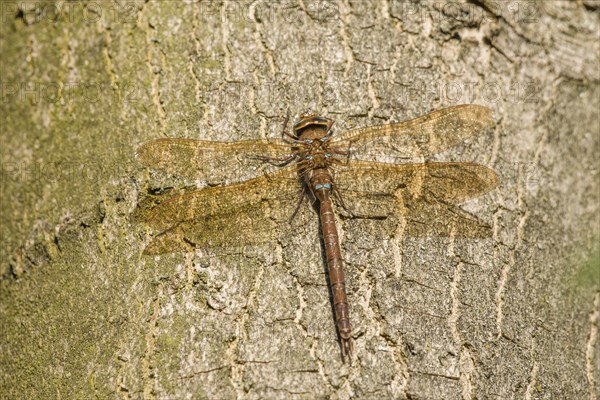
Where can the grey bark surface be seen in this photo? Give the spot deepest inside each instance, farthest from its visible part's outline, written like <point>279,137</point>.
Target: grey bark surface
<point>85,315</point>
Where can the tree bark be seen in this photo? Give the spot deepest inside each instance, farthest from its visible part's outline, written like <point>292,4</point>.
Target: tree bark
<point>84,314</point>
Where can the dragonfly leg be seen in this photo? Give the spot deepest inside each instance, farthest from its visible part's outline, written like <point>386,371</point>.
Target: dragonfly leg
<point>329,131</point>
<point>342,152</point>
<point>348,152</point>
<point>339,198</point>
<point>298,204</point>
<point>284,131</point>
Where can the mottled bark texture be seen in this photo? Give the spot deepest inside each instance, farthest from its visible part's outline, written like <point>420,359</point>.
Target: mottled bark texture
<point>85,315</point>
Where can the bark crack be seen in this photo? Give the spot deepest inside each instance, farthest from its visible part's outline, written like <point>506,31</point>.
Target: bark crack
<point>260,39</point>
<point>483,5</point>
<point>371,92</point>
<point>591,346</point>
<point>402,370</point>
<point>375,318</point>
<point>198,48</point>
<point>397,254</point>
<point>206,371</point>
<point>533,373</point>
<point>495,145</point>
<point>238,366</point>
<point>153,67</point>
<point>465,359</point>
<point>254,108</point>
<point>450,377</point>
<point>346,40</point>
<point>225,39</point>
<point>149,376</point>
<point>396,241</point>
<point>297,320</point>
<point>301,305</point>
<point>189,270</point>
<point>321,367</point>
<point>454,311</point>
<point>507,268</point>
<point>521,182</point>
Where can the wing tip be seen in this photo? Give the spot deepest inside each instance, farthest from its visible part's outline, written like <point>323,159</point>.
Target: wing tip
<point>481,112</point>
<point>141,153</point>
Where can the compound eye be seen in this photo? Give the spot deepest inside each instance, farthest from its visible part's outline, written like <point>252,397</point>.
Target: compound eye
<point>328,155</point>
<point>324,139</point>
<point>309,157</point>
<point>308,141</point>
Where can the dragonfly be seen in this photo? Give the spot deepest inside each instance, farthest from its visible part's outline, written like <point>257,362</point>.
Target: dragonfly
<point>268,181</point>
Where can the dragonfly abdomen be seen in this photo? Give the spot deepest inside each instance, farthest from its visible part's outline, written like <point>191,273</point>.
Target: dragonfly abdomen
<point>336,271</point>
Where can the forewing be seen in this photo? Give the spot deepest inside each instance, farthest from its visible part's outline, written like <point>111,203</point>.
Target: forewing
<point>209,160</point>
<point>425,135</point>
<point>245,213</point>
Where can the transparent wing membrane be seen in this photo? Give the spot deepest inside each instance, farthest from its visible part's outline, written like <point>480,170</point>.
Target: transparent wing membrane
<point>423,216</point>
<point>248,212</point>
<point>425,194</point>
<point>425,135</point>
<point>211,161</point>
<point>450,182</point>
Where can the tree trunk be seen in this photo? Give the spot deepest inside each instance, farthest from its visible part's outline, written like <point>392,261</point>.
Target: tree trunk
<point>85,315</point>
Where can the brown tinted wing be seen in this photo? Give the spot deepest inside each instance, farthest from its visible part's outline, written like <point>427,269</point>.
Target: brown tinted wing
<point>245,213</point>
<point>425,135</point>
<point>425,194</point>
<point>424,216</point>
<point>448,182</point>
<point>210,161</point>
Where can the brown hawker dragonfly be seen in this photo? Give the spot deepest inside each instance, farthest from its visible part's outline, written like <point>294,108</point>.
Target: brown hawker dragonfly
<point>311,162</point>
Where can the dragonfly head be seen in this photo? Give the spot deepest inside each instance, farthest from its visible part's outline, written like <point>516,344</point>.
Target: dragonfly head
<point>309,118</point>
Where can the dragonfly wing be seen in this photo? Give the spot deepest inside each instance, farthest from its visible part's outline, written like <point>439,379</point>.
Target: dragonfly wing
<point>448,182</point>
<point>211,161</point>
<point>426,194</point>
<point>245,213</point>
<point>423,216</point>
<point>425,135</point>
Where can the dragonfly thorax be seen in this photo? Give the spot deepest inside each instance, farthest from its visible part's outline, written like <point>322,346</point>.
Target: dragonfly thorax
<point>317,153</point>
<point>319,160</point>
